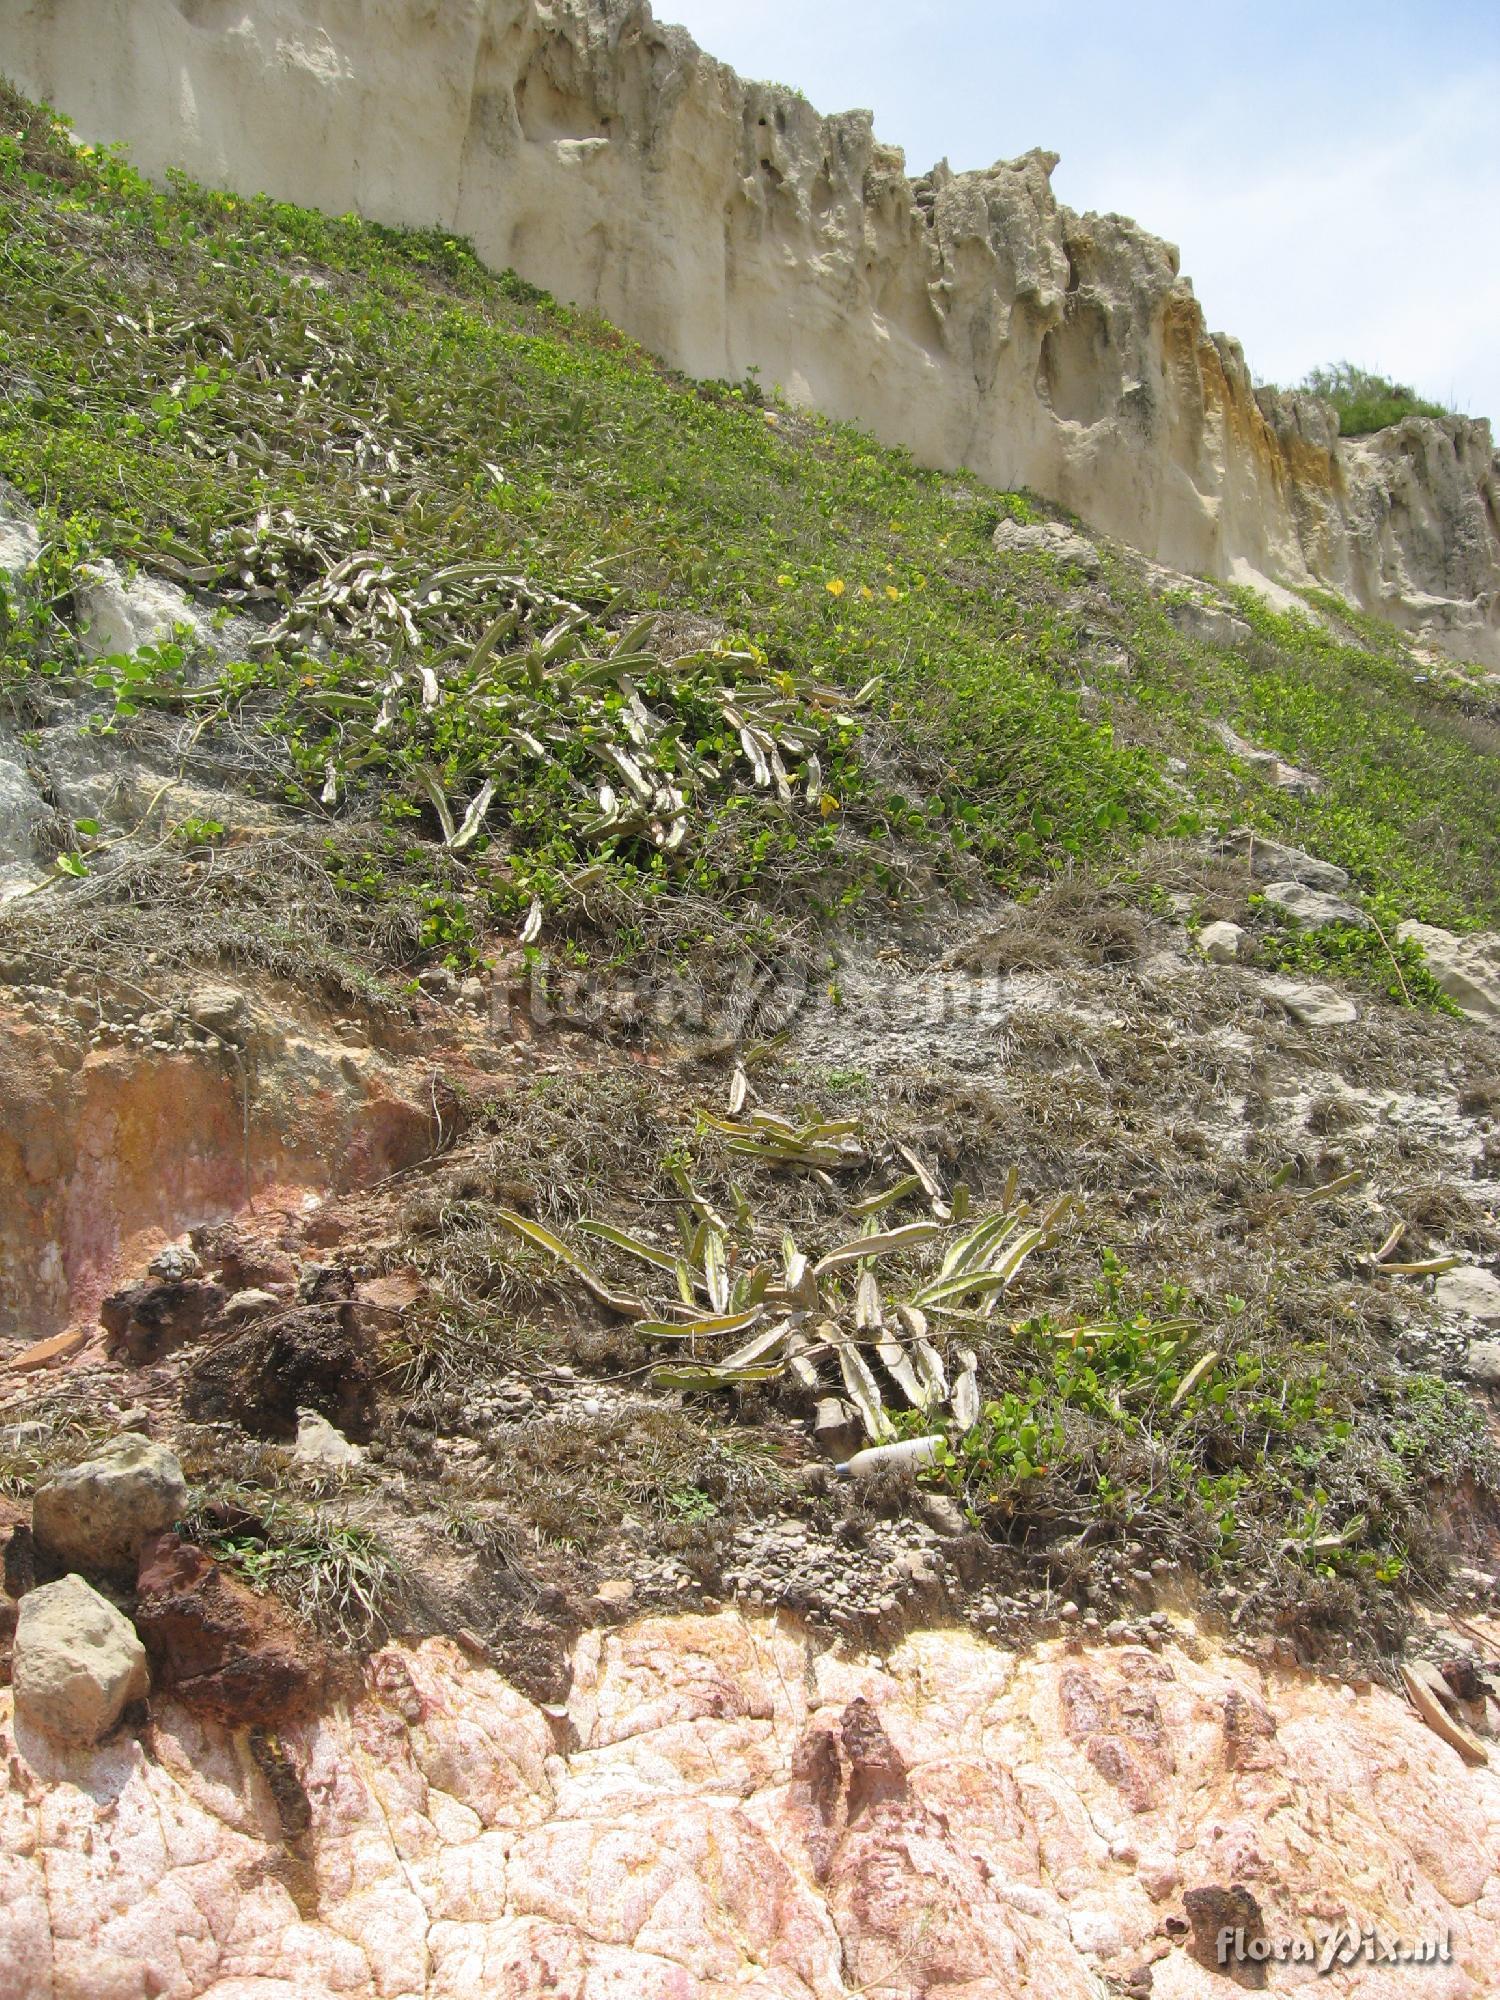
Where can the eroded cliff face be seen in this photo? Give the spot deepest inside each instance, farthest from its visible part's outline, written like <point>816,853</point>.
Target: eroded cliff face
<point>729,226</point>
<point>722,1807</point>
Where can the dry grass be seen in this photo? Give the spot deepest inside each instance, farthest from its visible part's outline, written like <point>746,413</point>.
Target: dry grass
<point>265,903</point>
<point>1078,921</point>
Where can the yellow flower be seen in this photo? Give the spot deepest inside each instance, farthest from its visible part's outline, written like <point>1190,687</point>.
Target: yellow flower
<point>836,587</point>
<point>785,582</point>
<point>892,593</point>
<point>866,593</point>
<point>770,416</point>
<point>828,805</point>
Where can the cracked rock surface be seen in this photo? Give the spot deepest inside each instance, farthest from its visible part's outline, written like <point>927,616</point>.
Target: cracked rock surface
<point>722,1807</point>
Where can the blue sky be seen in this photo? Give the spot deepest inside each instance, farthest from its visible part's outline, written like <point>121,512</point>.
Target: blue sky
<point>1331,173</point>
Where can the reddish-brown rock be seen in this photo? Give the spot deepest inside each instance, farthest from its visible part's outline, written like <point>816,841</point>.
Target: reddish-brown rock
<point>148,1321</point>
<point>215,1644</point>
<point>309,1356</point>
<point>242,1261</point>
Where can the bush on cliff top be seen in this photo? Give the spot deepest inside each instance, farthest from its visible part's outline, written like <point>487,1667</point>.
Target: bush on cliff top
<point>1365,401</point>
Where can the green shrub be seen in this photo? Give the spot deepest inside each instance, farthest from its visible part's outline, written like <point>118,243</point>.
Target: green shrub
<point>1396,967</point>
<point>1365,401</point>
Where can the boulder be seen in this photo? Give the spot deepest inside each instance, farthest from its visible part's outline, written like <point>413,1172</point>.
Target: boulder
<point>279,1363</point>
<point>219,1009</point>
<point>77,1662</point>
<point>1221,943</point>
<point>1314,909</point>
<point>242,1263</point>
<point>148,1321</point>
<point>1473,1293</point>
<point>1273,861</point>
<point>1310,1002</point>
<point>1047,538</point>
<point>1286,777</point>
<point>249,1304</point>
<point>942,1514</point>
<point>23,810</point>
<point>216,1644</point>
<point>45,1353</point>
<point>1484,1362</point>
<point>1209,624</point>
<point>836,1427</point>
<point>323,1447</point>
<point>1466,968</point>
<point>121,617</point>
<point>95,1516</point>
<point>20,544</point>
<point>175,1263</point>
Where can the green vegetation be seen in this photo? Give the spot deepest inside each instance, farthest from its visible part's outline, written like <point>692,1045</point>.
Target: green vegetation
<point>340,1579</point>
<point>1408,798</point>
<point>1393,966</point>
<point>384,453</point>
<point>1264,1455</point>
<point>1251,1461</point>
<point>520,635</point>
<point>1365,401</point>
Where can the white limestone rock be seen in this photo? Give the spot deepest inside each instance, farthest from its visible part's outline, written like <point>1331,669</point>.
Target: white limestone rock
<point>726,224</point>
<point>1209,624</point>
<point>120,617</point>
<point>1221,943</point>
<point>94,1516</point>
<point>22,812</point>
<point>77,1662</point>
<point>321,1446</point>
<point>1310,1002</point>
<point>20,544</point>
<point>1285,777</point>
<point>252,1303</point>
<point>1314,909</point>
<point>1472,1293</point>
<point>1466,968</point>
<point>22,807</point>
<point>1273,861</point>
<point>1047,538</point>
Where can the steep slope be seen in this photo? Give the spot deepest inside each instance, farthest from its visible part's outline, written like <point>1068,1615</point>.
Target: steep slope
<point>730,227</point>
<point>576,945</point>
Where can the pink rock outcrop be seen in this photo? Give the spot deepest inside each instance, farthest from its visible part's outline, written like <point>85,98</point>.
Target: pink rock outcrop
<point>724,1809</point>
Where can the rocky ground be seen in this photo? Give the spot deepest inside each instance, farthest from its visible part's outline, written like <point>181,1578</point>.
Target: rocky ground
<point>1157,1085</point>
<point>724,1805</point>
<point>711,1720</point>
<point>448,1283</point>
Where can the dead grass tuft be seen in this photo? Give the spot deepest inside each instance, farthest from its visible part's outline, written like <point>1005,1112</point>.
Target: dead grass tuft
<point>1079,921</point>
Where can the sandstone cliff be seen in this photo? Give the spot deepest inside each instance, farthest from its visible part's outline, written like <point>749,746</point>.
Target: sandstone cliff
<point>970,317</point>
